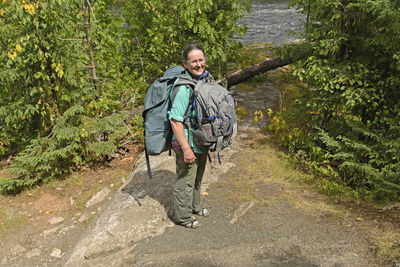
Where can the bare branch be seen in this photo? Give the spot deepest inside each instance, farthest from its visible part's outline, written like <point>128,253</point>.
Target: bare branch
<point>89,44</point>
<point>91,9</point>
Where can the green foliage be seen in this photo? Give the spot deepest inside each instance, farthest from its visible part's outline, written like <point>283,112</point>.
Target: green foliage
<point>52,117</point>
<point>137,127</point>
<point>159,29</point>
<point>35,71</point>
<point>353,96</point>
<point>56,112</point>
<point>74,141</point>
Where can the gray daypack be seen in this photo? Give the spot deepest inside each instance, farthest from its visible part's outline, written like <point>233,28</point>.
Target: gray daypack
<point>216,119</point>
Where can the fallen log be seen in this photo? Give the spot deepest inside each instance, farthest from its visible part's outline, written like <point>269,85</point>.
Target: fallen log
<point>290,54</point>
<point>267,65</point>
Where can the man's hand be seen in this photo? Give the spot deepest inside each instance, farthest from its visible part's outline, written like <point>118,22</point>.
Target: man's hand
<point>189,156</point>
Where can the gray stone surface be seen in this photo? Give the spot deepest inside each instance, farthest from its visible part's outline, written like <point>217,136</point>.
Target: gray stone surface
<point>17,249</point>
<point>56,220</point>
<point>56,253</point>
<point>33,253</point>
<point>98,197</point>
<point>47,232</point>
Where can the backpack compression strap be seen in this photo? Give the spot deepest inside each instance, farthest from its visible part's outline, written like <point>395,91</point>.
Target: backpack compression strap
<point>148,163</point>
<point>218,146</point>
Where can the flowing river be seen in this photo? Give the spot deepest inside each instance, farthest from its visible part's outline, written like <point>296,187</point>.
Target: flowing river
<point>270,21</point>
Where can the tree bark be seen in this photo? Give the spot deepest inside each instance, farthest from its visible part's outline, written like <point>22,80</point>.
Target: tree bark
<point>267,65</point>
<point>244,74</point>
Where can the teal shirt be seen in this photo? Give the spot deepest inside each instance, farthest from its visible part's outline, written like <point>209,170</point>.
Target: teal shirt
<point>178,111</point>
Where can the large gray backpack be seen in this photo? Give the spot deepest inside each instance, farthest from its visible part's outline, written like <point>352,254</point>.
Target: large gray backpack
<point>157,128</point>
<point>216,121</point>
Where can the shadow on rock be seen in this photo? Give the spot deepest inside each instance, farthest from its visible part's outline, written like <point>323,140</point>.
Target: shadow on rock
<point>160,187</point>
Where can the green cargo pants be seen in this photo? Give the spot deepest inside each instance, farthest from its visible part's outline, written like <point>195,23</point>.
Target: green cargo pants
<point>186,192</point>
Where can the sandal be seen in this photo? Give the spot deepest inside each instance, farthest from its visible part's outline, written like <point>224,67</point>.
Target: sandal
<point>203,212</point>
<point>191,224</point>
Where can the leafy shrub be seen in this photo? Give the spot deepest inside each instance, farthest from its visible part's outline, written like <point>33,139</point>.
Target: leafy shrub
<point>353,95</point>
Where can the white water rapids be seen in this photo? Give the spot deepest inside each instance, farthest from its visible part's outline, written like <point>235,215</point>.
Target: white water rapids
<point>271,21</point>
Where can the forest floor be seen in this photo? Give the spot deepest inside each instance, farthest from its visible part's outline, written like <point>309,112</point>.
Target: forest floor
<point>262,213</point>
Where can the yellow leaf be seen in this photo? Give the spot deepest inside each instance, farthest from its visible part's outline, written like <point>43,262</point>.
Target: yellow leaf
<point>10,55</point>
<point>18,47</point>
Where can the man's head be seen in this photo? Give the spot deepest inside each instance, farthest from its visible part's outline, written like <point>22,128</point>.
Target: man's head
<point>194,59</point>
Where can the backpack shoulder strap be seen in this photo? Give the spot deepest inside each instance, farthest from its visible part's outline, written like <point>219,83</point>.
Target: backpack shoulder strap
<point>183,80</point>
<point>186,80</point>
<point>190,83</point>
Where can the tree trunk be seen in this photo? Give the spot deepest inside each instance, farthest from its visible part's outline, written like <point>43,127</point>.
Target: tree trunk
<point>244,74</point>
<point>267,65</point>
<point>89,43</point>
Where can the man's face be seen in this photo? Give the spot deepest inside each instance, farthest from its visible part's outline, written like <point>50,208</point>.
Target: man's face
<point>196,63</point>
